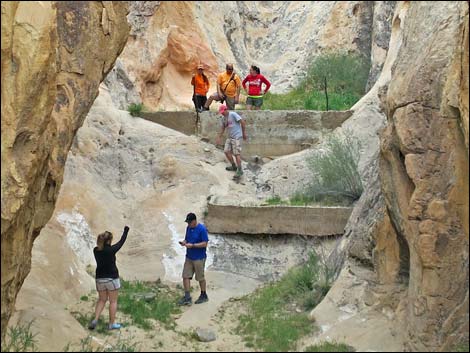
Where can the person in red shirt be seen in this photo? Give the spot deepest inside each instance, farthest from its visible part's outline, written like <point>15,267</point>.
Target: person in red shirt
<point>201,87</point>
<point>255,93</point>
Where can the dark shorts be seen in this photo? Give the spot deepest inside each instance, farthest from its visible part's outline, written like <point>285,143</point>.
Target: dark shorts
<point>256,102</point>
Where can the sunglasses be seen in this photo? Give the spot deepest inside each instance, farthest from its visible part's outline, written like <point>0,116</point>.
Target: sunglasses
<point>229,68</point>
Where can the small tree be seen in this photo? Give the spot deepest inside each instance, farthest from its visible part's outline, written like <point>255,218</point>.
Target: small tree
<point>342,72</point>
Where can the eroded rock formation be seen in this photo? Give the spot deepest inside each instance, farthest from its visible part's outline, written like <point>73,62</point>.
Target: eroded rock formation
<point>54,55</point>
<point>282,38</point>
<point>409,231</point>
<point>424,170</point>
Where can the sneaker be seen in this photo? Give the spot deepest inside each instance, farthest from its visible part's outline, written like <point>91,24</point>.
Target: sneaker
<point>202,299</point>
<point>231,168</point>
<point>92,324</point>
<point>114,326</point>
<point>185,301</point>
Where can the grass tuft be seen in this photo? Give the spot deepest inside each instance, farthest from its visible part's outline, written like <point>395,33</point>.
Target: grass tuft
<point>19,338</point>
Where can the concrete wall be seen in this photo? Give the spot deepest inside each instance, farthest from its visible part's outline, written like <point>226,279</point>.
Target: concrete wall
<point>184,122</point>
<point>313,221</point>
<point>270,133</point>
<point>277,133</point>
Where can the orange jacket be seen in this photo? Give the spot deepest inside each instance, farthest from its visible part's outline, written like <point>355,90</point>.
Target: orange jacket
<point>201,86</point>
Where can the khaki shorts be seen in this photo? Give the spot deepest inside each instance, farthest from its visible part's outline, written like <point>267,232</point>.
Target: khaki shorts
<point>194,266</point>
<point>107,284</point>
<point>229,101</point>
<point>234,146</point>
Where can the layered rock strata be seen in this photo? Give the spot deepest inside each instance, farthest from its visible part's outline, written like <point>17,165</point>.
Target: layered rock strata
<point>54,55</point>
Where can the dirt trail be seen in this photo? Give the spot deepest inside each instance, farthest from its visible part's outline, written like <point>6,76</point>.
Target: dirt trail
<point>223,289</point>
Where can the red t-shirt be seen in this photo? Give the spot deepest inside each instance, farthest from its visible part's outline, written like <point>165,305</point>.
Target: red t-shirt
<point>255,82</point>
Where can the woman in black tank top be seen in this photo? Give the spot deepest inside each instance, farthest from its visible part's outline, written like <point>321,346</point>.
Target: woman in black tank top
<point>107,276</point>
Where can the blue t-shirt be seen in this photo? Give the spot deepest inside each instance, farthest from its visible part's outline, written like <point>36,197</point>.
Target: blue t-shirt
<point>195,235</point>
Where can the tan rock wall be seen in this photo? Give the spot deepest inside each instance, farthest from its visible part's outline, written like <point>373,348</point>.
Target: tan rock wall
<point>169,39</point>
<point>424,170</point>
<point>54,56</point>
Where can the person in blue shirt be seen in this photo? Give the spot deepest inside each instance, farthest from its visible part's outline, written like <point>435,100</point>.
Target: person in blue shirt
<point>195,241</point>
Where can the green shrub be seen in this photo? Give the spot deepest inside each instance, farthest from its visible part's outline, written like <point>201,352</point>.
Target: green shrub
<point>330,347</point>
<point>19,338</point>
<point>336,176</point>
<point>135,109</point>
<point>270,323</point>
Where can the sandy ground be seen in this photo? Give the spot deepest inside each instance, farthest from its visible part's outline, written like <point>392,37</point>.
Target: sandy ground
<point>223,290</point>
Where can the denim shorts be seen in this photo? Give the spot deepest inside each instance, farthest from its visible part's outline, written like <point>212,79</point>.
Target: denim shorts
<point>107,284</point>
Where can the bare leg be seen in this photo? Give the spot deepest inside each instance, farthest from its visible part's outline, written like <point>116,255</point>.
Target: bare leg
<point>249,107</point>
<point>239,161</point>
<point>113,296</point>
<point>229,157</point>
<point>257,108</point>
<point>202,284</point>
<point>212,97</point>
<point>186,284</point>
<point>100,304</point>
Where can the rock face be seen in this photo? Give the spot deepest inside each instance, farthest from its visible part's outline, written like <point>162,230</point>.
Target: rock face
<point>381,30</point>
<point>54,55</point>
<point>424,170</point>
<point>282,38</point>
<point>411,224</point>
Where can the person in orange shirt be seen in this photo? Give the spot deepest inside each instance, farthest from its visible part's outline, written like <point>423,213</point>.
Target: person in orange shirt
<point>201,87</point>
<point>228,89</point>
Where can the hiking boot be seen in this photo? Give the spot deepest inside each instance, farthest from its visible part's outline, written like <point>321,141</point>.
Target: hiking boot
<point>231,168</point>
<point>202,299</point>
<point>92,324</point>
<point>114,326</point>
<point>185,301</point>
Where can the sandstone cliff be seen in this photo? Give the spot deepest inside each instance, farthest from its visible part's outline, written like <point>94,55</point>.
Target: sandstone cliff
<point>424,170</point>
<point>411,224</point>
<point>168,39</point>
<point>54,55</point>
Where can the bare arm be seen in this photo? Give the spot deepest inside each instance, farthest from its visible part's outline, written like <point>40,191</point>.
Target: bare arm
<point>242,122</point>
<point>219,135</point>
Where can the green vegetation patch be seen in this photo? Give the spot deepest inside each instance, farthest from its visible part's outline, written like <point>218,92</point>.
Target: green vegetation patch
<point>19,338</point>
<point>277,315</point>
<point>342,75</point>
<point>330,347</point>
<point>135,109</point>
<point>143,301</point>
<point>335,171</point>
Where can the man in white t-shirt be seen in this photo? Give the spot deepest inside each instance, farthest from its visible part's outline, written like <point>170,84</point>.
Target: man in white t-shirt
<point>235,125</point>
